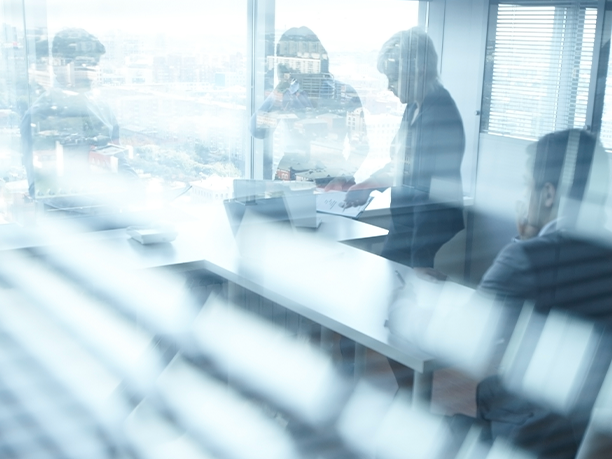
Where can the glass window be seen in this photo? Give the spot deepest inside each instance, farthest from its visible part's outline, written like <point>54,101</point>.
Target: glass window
<point>346,122</point>
<point>152,93</point>
<point>14,100</point>
<point>538,67</point>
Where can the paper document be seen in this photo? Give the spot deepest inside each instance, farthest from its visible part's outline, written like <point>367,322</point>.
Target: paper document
<point>332,202</point>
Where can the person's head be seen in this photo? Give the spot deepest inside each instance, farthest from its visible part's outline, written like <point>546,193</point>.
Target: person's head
<point>76,54</point>
<point>410,62</point>
<point>566,177</point>
<point>298,45</point>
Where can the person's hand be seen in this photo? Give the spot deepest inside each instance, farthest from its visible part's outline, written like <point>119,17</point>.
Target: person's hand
<point>525,228</point>
<point>340,184</point>
<point>279,93</point>
<point>358,194</point>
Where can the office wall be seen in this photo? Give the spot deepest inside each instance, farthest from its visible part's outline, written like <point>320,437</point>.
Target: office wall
<point>499,184</point>
<point>464,24</point>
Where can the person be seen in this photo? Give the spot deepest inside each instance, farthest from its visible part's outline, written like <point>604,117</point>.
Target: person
<point>426,155</point>
<point>319,120</point>
<point>70,136</point>
<point>424,171</point>
<point>560,265</point>
<point>562,261</point>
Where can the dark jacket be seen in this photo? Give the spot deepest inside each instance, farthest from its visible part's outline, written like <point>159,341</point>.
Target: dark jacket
<point>556,272</point>
<point>427,209</point>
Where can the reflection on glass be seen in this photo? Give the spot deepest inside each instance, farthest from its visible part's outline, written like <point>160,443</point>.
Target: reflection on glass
<point>70,136</point>
<point>177,92</point>
<point>322,135</point>
<point>352,32</point>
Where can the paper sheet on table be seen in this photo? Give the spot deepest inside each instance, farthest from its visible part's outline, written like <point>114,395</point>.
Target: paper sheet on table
<point>332,202</point>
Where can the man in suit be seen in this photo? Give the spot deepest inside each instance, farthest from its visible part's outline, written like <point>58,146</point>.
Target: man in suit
<point>559,270</point>
<point>561,263</point>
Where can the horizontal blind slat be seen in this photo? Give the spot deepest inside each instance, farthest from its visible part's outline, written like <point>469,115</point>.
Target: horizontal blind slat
<point>541,61</point>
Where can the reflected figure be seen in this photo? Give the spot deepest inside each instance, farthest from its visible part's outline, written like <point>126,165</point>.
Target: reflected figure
<point>319,124</point>
<point>426,155</point>
<point>561,262</point>
<point>70,137</point>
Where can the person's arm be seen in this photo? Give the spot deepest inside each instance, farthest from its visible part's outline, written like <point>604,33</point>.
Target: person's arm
<point>108,117</point>
<point>511,274</point>
<point>357,140</point>
<point>359,193</point>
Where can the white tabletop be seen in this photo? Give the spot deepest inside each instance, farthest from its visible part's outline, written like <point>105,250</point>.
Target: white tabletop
<point>309,272</point>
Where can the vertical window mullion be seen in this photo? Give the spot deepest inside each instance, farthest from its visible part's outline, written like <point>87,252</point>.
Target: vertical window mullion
<point>565,25</point>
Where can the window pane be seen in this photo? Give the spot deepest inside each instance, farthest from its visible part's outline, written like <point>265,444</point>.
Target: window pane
<point>13,104</point>
<point>347,36</point>
<point>166,97</point>
<point>538,69</point>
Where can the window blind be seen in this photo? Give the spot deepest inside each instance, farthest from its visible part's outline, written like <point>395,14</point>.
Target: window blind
<point>538,66</point>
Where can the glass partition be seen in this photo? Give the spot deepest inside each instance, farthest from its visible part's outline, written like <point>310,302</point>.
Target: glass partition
<point>346,118</point>
<point>135,102</point>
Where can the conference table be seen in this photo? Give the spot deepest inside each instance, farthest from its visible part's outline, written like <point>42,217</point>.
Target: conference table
<point>315,273</point>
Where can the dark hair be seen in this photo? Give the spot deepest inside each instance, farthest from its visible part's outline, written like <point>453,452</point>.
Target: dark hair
<point>299,36</point>
<point>74,42</point>
<point>555,155</point>
<point>298,42</point>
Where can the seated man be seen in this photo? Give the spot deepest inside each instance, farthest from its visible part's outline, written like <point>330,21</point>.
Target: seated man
<point>560,266</point>
<point>562,262</point>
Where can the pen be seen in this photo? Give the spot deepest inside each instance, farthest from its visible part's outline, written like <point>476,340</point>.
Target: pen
<point>400,278</point>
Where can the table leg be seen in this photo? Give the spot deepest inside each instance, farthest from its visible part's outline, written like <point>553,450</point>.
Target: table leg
<point>421,392</point>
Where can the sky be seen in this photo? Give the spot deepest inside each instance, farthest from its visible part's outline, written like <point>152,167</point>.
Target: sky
<point>341,24</point>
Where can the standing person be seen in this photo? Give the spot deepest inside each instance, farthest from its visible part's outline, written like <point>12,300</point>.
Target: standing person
<point>424,171</point>
<point>426,154</point>
<point>318,121</point>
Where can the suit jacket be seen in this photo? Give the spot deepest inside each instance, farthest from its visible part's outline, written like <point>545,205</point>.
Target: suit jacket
<point>428,205</point>
<point>562,272</point>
